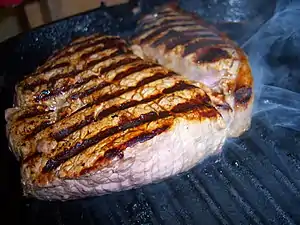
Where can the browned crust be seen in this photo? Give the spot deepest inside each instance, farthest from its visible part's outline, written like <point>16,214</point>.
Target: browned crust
<point>204,41</point>
<point>190,110</point>
<point>194,109</point>
<point>34,111</point>
<point>174,6</point>
<point>243,87</point>
<point>243,92</point>
<point>50,136</point>
<point>192,105</point>
<point>58,136</point>
<point>119,150</point>
<point>211,54</point>
<point>100,99</point>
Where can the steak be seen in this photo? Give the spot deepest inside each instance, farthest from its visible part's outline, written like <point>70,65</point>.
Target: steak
<point>96,118</point>
<point>184,43</point>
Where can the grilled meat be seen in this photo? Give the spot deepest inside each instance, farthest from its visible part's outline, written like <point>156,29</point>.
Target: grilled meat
<point>95,118</point>
<point>186,44</point>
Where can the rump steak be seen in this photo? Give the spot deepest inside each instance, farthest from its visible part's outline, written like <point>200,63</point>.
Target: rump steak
<point>184,43</point>
<point>96,118</point>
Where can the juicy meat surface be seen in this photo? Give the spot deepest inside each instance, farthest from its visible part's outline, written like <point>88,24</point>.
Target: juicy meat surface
<point>95,118</point>
<point>184,43</point>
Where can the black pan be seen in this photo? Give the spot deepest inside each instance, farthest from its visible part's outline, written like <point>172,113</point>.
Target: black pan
<point>256,178</point>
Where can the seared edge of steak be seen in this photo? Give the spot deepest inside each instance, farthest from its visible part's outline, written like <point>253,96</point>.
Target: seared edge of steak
<point>167,154</point>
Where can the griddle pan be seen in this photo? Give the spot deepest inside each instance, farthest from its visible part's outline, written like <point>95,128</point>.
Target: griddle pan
<point>256,178</point>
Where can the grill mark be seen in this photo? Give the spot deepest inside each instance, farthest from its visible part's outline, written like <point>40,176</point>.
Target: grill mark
<point>74,43</point>
<point>180,86</point>
<point>171,44</point>
<point>122,62</point>
<point>51,82</point>
<point>48,94</point>
<point>211,55</point>
<point>183,38</point>
<point>53,67</point>
<point>164,38</point>
<point>104,58</point>
<point>79,147</point>
<point>89,91</point>
<point>166,21</point>
<point>118,151</point>
<point>86,39</point>
<point>91,65</point>
<point>36,111</point>
<point>163,29</point>
<point>194,46</point>
<point>188,106</point>
<point>243,95</point>
<point>73,73</point>
<point>134,69</point>
<point>34,84</point>
<point>107,97</point>
<point>59,136</point>
<point>173,35</point>
<point>117,45</point>
<point>110,154</point>
<point>105,41</point>
<point>38,129</point>
<point>67,50</point>
<point>145,81</point>
<point>113,66</point>
<point>118,77</point>
<point>155,77</point>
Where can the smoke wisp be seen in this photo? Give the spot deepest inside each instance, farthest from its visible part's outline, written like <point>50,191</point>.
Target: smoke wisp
<point>275,61</point>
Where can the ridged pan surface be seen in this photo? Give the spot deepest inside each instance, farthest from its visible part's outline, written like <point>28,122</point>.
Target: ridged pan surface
<point>256,178</point>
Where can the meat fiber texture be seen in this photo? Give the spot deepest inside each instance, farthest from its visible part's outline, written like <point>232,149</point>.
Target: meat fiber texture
<point>184,43</point>
<point>96,119</point>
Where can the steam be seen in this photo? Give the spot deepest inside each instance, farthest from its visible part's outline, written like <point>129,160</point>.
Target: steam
<point>274,55</point>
